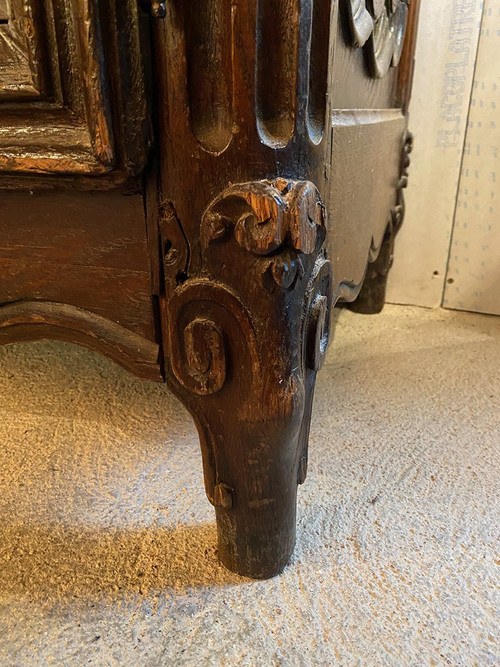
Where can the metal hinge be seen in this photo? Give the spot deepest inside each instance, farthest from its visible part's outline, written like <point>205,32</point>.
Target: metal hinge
<point>175,251</point>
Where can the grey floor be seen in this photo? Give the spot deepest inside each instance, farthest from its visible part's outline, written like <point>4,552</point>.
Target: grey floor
<point>107,544</point>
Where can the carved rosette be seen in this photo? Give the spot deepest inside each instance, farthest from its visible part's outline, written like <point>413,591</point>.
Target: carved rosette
<point>379,26</point>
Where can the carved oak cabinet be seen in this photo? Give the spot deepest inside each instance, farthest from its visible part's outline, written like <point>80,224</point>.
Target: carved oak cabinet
<point>189,187</point>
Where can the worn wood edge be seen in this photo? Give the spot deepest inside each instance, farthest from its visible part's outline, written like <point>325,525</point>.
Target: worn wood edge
<point>348,292</point>
<point>344,117</point>
<point>407,62</point>
<point>81,162</point>
<point>118,178</point>
<point>38,320</point>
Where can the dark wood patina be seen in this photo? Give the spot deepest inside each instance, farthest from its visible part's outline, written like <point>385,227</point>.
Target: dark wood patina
<point>189,188</point>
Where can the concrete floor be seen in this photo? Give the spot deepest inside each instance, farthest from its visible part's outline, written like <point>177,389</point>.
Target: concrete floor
<point>107,544</point>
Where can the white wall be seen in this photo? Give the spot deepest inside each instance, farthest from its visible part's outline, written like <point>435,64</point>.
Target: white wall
<point>445,57</point>
<point>473,280</point>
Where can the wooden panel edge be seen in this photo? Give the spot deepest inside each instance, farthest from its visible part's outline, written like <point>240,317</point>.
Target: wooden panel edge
<point>36,320</point>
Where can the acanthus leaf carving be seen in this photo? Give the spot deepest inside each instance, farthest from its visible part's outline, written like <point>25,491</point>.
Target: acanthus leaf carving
<point>284,270</point>
<point>360,22</point>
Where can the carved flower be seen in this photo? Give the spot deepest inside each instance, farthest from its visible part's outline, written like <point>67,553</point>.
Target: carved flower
<point>379,26</point>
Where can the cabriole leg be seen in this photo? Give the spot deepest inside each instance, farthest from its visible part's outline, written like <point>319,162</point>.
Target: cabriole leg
<point>245,338</point>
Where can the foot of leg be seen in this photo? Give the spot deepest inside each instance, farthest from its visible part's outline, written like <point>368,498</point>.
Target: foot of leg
<point>245,338</point>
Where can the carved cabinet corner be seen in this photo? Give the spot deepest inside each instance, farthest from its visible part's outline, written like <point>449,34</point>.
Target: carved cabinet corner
<point>190,188</point>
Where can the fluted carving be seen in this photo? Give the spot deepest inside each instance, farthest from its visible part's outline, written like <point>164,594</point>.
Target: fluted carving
<point>207,28</point>
<point>254,71</point>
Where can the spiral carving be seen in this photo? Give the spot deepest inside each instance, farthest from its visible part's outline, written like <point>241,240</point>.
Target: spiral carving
<point>205,355</point>
<point>207,325</point>
<point>318,313</point>
<point>264,214</point>
<point>360,21</point>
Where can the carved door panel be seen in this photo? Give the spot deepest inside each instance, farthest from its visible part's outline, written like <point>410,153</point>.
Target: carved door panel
<point>22,75</point>
<point>75,132</point>
<point>365,164</point>
<point>73,91</point>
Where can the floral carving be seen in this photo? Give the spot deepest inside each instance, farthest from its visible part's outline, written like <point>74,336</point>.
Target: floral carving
<point>379,26</point>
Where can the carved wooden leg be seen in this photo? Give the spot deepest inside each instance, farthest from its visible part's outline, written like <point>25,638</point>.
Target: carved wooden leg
<point>245,338</point>
<point>371,298</point>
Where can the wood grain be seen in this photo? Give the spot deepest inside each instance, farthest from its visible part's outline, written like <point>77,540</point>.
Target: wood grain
<point>93,255</point>
<point>91,113</point>
<point>36,320</point>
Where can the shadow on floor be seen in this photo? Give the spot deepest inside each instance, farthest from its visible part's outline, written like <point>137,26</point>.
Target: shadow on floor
<point>56,563</point>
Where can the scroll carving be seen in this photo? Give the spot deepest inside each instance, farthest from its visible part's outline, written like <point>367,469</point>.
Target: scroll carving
<point>264,214</point>
<point>203,319</point>
<point>279,226</point>
<point>249,331</point>
<point>379,26</point>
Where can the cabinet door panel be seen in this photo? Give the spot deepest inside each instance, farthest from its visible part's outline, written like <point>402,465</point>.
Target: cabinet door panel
<point>370,87</point>
<point>22,54</point>
<point>73,88</point>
